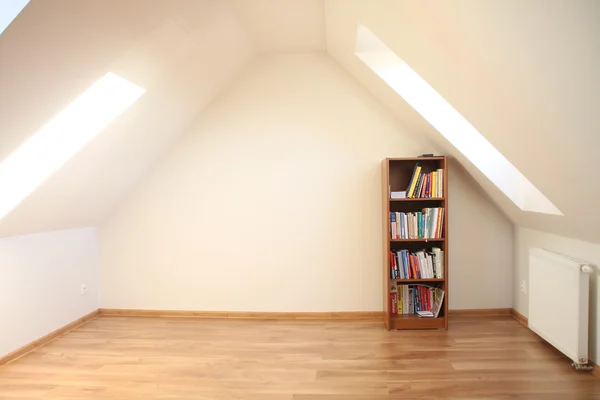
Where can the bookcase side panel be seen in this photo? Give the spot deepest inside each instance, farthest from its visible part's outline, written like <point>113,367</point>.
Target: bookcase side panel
<point>446,239</point>
<point>386,243</point>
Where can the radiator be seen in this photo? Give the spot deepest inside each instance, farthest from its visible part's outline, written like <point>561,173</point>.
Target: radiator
<point>559,302</point>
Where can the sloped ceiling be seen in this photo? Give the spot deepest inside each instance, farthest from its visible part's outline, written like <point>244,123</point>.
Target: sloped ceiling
<point>523,73</point>
<point>283,26</point>
<point>182,52</point>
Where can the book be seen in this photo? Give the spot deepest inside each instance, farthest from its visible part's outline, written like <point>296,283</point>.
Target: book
<point>417,264</point>
<point>438,300</point>
<point>423,300</point>
<point>413,181</point>
<point>425,313</point>
<point>425,184</point>
<point>394,301</point>
<point>398,195</point>
<point>425,224</point>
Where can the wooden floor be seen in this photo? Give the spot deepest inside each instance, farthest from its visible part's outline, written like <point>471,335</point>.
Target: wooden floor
<point>154,358</point>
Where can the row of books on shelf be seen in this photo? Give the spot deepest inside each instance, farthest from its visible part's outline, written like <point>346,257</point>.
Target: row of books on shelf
<point>421,264</point>
<point>424,224</point>
<point>422,300</point>
<point>425,184</point>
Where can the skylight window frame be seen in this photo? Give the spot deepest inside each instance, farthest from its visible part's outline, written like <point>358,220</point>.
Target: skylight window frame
<point>57,141</point>
<point>9,11</point>
<point>409,85</point>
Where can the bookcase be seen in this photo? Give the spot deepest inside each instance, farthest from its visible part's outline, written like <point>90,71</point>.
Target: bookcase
<point>415,245</point>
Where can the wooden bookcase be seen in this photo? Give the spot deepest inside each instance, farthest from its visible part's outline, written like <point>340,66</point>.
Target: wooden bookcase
<point>397,173</point>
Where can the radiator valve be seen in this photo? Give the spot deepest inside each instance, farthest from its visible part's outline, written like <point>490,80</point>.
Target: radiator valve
<point>588,269</point>
<point>582,365</point>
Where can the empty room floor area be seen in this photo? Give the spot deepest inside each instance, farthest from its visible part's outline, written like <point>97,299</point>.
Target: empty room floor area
<point>201,359</point>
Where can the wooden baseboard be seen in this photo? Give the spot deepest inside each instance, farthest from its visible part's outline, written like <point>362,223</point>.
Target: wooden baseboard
<point>352,315</point>
<point>596,370</point>
<point>480,312</point>
<point>12,356</point>
<point>520,317</point>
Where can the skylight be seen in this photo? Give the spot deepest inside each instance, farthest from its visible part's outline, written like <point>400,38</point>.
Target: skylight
<point>63,136</point>
<point>9,9</point>
<point>450,123</point>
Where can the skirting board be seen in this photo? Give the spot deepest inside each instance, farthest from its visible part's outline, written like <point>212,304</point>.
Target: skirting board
<point>520,317</point>
<point>12,356</point>
<point>344,315</point>
<point>480,312</point>
<point>350,315</point>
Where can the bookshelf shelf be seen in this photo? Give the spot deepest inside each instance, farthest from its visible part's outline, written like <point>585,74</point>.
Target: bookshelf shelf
<point>418,280</point>
<point>415,269</point>
<point>420,199</point>
<point>414,316</point>
<point>415,240</point>
<point>416,322</point>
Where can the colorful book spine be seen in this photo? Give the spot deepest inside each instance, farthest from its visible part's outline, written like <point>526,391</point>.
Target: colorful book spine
<point>425,224</point>
<point>425,184</point>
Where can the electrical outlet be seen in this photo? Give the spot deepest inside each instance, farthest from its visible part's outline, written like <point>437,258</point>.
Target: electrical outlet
<point>523,286</point>
<point>83,289</point>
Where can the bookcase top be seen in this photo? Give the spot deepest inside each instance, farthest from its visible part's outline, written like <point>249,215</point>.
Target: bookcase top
<point>416,158</point>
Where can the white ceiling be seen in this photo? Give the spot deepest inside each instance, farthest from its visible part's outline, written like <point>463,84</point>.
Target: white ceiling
<point>523,72</point>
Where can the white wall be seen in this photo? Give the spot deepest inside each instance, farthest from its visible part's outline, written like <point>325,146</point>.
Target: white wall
<point>40,280</point>
<point>525,239</point>
<point>480,245</point>
<point>272,202</point>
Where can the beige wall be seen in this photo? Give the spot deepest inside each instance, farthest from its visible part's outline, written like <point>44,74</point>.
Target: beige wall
<point>480,244</point>
<point>589,252</point>
<point>271,202</point>
<point>40,284</point>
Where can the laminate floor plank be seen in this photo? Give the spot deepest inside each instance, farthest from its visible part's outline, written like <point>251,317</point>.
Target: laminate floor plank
<point>130,358</point>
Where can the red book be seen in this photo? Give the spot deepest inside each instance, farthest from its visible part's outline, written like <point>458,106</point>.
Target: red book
<point>429,299</point>
<point>416,266</point>
<point>424,188</point>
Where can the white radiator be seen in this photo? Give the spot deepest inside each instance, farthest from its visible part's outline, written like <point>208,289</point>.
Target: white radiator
<point>559,302</point>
